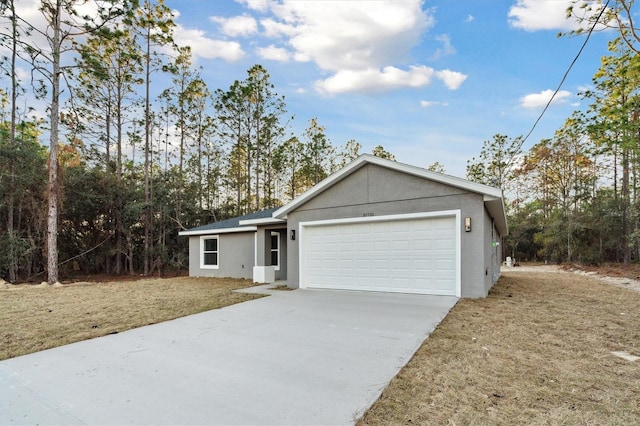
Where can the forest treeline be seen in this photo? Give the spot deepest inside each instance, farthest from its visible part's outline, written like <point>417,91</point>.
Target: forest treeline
<point>574,197</point>
<point>132,168</point>
<point>141,148</point>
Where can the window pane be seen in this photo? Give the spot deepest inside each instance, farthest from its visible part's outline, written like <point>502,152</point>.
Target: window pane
<point>274,258</point>
<point>211,244</point>
<point>274,241</point>
<point>211,258</point>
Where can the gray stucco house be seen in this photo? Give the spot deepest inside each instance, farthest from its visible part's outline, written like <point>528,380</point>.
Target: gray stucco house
<point>375,225</point>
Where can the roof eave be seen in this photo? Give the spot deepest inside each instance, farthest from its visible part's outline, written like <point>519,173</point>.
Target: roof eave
<point>215,231</point>
<point>263,221</point>
<point>364,159</point>
<point>495,207</point>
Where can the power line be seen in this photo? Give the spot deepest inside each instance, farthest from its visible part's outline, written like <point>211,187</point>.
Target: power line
<point>564,77</point>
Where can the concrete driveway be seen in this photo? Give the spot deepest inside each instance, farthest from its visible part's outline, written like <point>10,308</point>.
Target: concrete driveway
<point>296,357</point>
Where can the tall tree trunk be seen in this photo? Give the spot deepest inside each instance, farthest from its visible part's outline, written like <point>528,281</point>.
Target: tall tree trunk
<point>147,136</point>
<point>258,153</point>
<point>52,190</point>
<point>626,223</point>
<point>13,264</point>
<point>248,175</point>
<point>636,224</point>
<point>199,171</point>
<point>119,227</point>
<point>239,161</point>
<point>107,143</point>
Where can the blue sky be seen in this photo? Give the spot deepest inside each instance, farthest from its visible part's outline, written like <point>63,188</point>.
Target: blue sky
<point>430,80</point>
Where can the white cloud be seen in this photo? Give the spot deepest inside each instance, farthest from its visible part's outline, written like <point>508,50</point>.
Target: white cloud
<point>273,28</point>
<point>469,18</point>
<point>532,15</point>
<point>388,78</point>
<point>274,53</point>
<point>537,100</point>
<point>205,47</point>
<point>353,34</point>
<point>447,48</point>
<point>362,44</point>
<point>243,25</point>
<point>374,80</point>
<point>452,79</point>
<point>259,5</point>
<point>427,104</point>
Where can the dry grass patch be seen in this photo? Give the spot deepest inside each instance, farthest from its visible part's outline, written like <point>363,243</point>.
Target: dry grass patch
<point>536,351</point>
<point>39,317</point>
<point>281,287</point>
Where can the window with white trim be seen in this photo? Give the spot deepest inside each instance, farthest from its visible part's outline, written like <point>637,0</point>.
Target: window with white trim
<point>209,252</point>
<point>275,249</point>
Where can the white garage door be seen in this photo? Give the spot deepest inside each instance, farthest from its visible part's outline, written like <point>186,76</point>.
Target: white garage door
<point>404,255</point>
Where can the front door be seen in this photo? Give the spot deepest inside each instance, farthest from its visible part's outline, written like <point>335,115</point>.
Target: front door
<point>274,249</point>
<point>276,254</point>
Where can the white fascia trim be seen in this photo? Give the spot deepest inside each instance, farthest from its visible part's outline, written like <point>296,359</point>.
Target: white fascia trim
<point>444,213</point>
<point>263,221</point>
<point>394,165</point>
<point>385,218</point>
<point>219,231</point>
<point>458,253</point>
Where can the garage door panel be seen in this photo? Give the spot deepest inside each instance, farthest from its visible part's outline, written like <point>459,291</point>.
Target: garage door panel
<point>401,245</point>
<point>346,264</point>
<point>360,246</point>
<point>445,264</point>
<point>330,264</point>
<point>382,264</point>
<point>423,264</point>
<point>401,283</point>
<point>415,255</point>
<point>378,246</point>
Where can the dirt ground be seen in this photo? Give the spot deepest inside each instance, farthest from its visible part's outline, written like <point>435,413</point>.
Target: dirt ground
<point>548,346</point>
<point>618,275</point>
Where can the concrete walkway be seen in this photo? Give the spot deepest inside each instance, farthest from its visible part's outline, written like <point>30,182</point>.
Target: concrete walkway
<point>296,357</point>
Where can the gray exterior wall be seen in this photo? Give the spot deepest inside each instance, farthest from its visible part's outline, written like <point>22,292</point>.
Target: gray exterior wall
<point>378,191</point>
<point>235,256</point>
<point>492,253</point>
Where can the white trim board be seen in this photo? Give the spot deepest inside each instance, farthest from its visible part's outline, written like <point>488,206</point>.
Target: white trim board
<point>219,231</point>
<point>263,221</point>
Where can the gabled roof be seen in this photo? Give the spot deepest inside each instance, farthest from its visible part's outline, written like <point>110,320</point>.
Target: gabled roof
<point>492,196</point>
<point>244,223</point>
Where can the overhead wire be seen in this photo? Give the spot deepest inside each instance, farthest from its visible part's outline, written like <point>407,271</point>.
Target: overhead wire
<point>564,77</point>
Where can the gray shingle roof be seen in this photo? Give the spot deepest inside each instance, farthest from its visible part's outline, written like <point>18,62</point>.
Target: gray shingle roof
<point>234,222</point>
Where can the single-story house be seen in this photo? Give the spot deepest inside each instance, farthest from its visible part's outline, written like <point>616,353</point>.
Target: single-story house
<point>374,225</point>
